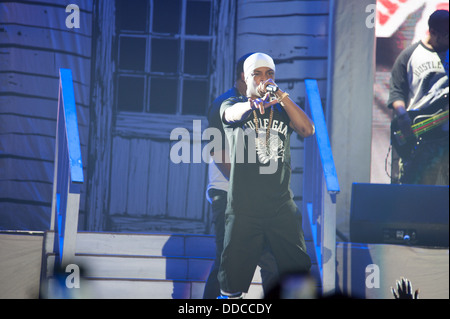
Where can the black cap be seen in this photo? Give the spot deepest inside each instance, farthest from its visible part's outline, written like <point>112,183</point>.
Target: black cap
<point>438,21</point>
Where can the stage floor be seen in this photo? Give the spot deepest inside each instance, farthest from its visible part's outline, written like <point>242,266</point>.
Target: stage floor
<point>362,270</point>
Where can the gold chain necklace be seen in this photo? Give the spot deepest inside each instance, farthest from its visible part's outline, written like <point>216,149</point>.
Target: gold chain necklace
<point>255,120</point>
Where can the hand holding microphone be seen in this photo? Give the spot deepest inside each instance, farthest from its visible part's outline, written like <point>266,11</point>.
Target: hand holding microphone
<point>267,90</point>
<point>271,88</point>
<point>268,86</point>
<point>262,103</point>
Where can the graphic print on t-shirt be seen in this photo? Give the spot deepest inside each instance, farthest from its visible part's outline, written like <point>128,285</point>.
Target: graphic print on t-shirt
<point>271,148</point>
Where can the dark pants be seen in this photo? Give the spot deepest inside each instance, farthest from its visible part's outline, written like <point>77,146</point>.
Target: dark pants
<point>245,238</point>
<point>266,262</point>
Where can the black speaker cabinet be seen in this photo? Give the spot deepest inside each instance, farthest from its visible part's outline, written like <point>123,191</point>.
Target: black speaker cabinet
<point>399,214</point>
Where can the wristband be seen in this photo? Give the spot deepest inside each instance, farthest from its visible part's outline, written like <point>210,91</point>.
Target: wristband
<point>279,99</point>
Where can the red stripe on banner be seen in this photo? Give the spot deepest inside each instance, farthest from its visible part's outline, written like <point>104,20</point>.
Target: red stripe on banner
<point>442,6</point>
<point>392,7</point>
<point>382,18</point>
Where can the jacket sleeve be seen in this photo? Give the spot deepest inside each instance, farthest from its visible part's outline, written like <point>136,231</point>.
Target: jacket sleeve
<point>399,83</point>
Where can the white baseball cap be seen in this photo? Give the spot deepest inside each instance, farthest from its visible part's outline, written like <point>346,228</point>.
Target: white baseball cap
<point>257,60</point>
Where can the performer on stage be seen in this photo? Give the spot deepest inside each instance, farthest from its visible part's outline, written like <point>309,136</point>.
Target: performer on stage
<point>219,174</point>
<point>260,207</point>
<point>419,97</point>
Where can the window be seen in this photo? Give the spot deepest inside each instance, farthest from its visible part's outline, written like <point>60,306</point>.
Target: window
<point>163,60</point>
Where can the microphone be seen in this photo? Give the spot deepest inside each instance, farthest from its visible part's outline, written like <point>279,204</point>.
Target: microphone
<point>271,88</point>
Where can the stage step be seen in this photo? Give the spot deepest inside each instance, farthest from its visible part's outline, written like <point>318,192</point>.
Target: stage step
<point>119,265</point>
<point>139,267</point>
<point>145,244</point>
<point>107,288</point>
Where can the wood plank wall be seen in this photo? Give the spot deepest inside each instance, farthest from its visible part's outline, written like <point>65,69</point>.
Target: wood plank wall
<point>146,183</point>
<point>34,44</point>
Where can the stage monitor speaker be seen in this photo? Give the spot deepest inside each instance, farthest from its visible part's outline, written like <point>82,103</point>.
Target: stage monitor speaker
<point>400,214</point>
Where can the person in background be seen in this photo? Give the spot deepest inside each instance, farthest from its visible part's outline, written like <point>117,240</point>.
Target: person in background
<point>404,290</point>
<point>418,97</point>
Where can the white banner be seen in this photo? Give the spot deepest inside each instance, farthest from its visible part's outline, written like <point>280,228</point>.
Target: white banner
<point>392,13</point>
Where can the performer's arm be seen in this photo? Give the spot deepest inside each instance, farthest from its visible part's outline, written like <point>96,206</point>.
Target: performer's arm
<point>403,120</point>
<point>399,92</point>
<point>237,112</point>
<point>300,122</point>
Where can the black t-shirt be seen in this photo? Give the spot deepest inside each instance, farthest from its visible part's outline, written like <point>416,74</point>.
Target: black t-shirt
<point>214,112</point>
<point>260,166</point>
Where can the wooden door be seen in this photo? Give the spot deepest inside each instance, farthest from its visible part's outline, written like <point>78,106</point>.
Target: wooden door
<point>150,78</point>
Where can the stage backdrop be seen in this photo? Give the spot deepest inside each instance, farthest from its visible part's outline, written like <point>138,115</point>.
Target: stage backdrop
<point>35,42</point>
<point>123,59</point>
<point>349,99</point>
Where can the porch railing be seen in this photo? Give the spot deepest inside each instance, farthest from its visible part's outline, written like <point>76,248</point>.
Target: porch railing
<point>68,172</point>
<point>320,187</point>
